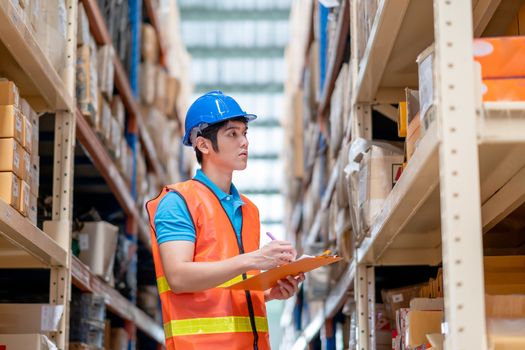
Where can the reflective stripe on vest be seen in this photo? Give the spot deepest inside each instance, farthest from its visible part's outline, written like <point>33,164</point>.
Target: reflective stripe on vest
<point>163,286</point>
<point>230,324</point>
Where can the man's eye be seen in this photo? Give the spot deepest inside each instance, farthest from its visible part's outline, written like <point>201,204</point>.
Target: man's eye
<point>234,134</point>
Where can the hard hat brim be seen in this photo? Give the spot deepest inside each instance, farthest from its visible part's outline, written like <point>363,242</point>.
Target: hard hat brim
<point>249,118</point>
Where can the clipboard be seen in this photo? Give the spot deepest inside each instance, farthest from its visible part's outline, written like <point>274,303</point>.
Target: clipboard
<point>268,279</point>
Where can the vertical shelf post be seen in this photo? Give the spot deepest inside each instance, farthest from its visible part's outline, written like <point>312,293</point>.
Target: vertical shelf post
<point>361,294</point>
<point>64,156</point>
<point>371,299</point>
<point>459,177</point>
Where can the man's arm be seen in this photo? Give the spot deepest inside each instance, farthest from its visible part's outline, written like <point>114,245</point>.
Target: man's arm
<point>186,276</point>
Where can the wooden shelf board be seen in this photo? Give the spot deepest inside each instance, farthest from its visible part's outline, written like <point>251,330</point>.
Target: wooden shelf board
<point>409,223</point>
<point>24,62</point>
<point>19,236</point>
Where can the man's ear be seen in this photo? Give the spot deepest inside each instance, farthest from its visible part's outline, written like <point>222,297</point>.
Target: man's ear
<point>202,144</point>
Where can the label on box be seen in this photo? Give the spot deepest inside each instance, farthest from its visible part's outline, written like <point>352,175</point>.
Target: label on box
<point>16,159</point>
<point>27,163</point>
<point>397,169</point>
<point>83,241</point>
<point>18,123</point>
<point>397,298</point>
<point>51,315</point>
<point>16,187</point>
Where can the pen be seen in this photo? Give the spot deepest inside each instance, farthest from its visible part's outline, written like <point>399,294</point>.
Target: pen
<point>271,236</point>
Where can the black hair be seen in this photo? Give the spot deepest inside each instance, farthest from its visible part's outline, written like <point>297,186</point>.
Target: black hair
<point>210,133</point>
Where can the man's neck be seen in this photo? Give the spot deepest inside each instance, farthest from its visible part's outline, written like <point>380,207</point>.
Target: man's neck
<point>220,178</point>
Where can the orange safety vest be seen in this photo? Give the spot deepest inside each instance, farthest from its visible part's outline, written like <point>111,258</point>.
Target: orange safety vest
<point>216,318</point>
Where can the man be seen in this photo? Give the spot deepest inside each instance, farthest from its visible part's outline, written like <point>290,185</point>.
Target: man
<point>205,237</point>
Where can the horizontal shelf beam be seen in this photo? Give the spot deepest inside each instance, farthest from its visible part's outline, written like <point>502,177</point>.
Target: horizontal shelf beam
<point>235,52</point>
<point>269,156</point>
<point>199,13</point>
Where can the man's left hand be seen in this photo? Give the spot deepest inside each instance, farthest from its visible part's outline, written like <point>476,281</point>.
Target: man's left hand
<point>285,288</point>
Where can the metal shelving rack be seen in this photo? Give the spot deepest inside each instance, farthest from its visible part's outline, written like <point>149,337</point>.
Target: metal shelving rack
<point>23,245</point>
<point>466,175</point>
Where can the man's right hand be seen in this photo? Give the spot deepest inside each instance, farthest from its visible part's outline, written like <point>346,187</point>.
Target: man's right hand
<point>273,254</point>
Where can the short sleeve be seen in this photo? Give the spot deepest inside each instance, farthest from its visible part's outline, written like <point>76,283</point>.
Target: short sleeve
<point>173,221</point>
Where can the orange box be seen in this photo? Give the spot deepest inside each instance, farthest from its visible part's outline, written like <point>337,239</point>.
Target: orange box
<point>501,57</point>
<point>503,89</point>
<point>413,136</point>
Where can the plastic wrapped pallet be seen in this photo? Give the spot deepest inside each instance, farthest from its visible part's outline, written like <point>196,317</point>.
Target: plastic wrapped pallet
<point>98,241</point>
<point>425,62</point>
<point>103,126</point>
<point>372,171</point>
<point>160,89</point>
<point>336,112</point>
<point>147,82</point>
<point>118,111</point>
<point>105,70</point>
<point>51,30</point>
<point>367,11</point>
<point>149,45</point>
<point>83,26</point>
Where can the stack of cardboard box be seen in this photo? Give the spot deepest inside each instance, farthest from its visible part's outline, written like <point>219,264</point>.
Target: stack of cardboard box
<point>19,166</point>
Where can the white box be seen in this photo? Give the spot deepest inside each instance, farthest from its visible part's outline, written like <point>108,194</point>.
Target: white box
<point>98,243</point>
<point>26,342</point>
<point>29,318</point>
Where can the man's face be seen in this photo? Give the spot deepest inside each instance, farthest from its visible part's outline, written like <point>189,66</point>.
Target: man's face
<point>233,146</point>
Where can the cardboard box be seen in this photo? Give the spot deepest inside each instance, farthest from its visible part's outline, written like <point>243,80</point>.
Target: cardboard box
<point>377,173</point>
<point>500,57</point>
<point>34,176</point>
<point>503,89</point>
<point>119,339</point>
<point>421,323</point>
<point>25,342</point>
<point>413,136</point>
<point>118,111</point>
<point>83,33</point>
<point>27,138</point>
<point>9,94</point>
<point>11,123</point>
<point>149,45</point>
<point>103,127</point>
<point>505,306</point>
<point>395,299</point>
<point>160,89</point>
<point>504,274</point>
<point>147,82</point>
<point>98,243</point>
<point>29,318</point>
<point>26,161</point>
<point>172,92</point>
<point>116,135</point>
<point>105,70</point>
<point>10,188</point>
<point>24,202</point>
<point>12,157</point>
<point>86,83</point>
<point>402,119</point>
<point>35,124</point>
<point>425,62</point>
<point>427,304</point>
<point>32,213</point>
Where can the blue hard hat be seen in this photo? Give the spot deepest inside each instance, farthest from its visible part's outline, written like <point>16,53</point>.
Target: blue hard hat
<point>211,108</point>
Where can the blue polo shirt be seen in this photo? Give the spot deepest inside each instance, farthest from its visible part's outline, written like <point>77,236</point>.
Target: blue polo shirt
<point>173,221</point>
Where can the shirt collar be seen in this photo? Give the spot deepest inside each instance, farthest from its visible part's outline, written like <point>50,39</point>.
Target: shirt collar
<point>234,193</point>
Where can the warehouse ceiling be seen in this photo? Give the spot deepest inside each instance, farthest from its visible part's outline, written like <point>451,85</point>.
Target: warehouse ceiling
<point>238,47</point>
